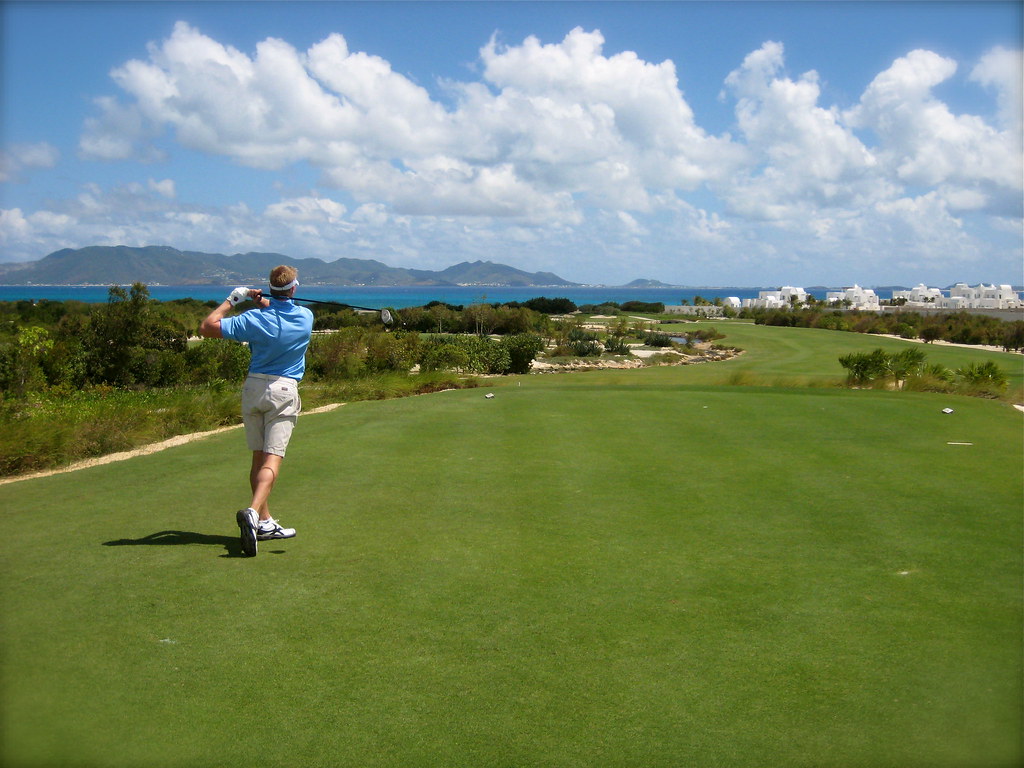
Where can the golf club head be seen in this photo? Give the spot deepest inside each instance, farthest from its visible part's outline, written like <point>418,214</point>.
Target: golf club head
<point>385,317</point>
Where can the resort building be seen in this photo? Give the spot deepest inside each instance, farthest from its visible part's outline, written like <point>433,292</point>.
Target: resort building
<point>786,296</point>
<point>854,298</point>
<point>962,296</point>
<point>918,295</point>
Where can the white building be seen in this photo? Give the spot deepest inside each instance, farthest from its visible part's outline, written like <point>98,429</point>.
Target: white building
<point>783,298</point>
<point>919,295</point>
<point>963,296</point>
<point>858,298</point>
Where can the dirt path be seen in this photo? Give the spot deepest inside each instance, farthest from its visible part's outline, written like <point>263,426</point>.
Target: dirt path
<point>942,343</point>
<point>143,451</point>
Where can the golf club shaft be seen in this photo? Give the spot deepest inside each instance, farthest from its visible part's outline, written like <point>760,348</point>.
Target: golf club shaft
<point>335,303</point>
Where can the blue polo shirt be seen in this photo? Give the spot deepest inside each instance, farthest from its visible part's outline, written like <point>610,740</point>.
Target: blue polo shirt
<point>277,337</point>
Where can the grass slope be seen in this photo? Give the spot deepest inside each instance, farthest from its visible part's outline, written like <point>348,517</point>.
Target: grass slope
<point>609,568</point>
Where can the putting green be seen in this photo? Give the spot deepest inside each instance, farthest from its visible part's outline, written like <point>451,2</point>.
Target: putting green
<point>615,569</point>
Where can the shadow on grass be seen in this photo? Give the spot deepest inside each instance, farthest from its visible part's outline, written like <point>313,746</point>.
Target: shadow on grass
<point>230,543</point>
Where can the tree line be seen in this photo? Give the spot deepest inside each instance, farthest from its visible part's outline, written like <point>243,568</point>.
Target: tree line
<point>956,327</point>
<point>135,341</point>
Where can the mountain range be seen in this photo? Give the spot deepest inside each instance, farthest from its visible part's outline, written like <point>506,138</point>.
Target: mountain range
<point>163,265</point>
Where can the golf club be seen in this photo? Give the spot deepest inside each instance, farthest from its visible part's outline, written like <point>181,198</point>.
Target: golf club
<point>385,314</point>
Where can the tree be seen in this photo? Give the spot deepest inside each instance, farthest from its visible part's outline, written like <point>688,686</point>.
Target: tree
<point>127,341</point>
<point>1013,336</point>
<point>21,368</point>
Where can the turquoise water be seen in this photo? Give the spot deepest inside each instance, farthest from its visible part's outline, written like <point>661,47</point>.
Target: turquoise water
<point>398,297</point>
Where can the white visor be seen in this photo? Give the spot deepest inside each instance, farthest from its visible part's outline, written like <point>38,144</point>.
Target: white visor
<point>283,288</point>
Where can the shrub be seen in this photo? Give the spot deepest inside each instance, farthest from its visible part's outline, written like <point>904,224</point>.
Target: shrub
<point>657,340</point>
<point>585,348</point>
<point>616,345</point>
<point>556,306</point>
<point>653,307</point>
<point>865,367</point>
<point>338,355</point>
<point>391,351</point>
<point>443,356</point>
<point>216,359</point>
<point>522,348</point>
<point>985,376</point>
<point>468,354</point>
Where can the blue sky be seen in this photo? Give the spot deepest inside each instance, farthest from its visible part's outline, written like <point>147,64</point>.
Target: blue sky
<point>697,143</point>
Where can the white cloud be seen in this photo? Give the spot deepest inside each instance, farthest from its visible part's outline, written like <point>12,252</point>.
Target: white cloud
<point>923,143</point>
<point>164,188</point>
<point>801,155</point>
<point>19,157</point>
<point>1003,70</point>
<point>307,209</point>
<point>555,156</point>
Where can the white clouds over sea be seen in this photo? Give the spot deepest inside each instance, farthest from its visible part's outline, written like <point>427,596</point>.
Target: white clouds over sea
<point>558,156</point>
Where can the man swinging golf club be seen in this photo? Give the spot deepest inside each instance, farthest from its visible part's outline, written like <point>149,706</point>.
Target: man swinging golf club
<point>277,332</point>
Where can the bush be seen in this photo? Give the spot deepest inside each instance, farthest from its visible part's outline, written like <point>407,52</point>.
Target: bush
<point>216,359</point>
<point>585,348</point>
<point>522,349</point>
<point>557,306</point>
<point>909,370</point>
<point>391,351</point>
<point>865,367</point>
<point>443,356</point>
<point>985,376</point>
<point>616,345</point>
<point>338,355</point>
<point>650,307</point>
<point>657,340</point>
<point>468,354</point>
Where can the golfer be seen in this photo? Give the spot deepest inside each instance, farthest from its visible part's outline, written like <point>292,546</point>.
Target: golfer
<point>277,332</point>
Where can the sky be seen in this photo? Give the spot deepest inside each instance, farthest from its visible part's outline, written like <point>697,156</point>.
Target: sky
<point>695,143</point>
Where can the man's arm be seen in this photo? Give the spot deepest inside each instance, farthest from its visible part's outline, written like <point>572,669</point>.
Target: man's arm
<point>210,327</point>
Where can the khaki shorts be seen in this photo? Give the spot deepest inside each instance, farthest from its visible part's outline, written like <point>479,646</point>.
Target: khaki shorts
<point>270,408</point>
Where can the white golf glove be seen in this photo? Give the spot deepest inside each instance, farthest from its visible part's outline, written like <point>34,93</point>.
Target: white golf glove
<point>238,295</point>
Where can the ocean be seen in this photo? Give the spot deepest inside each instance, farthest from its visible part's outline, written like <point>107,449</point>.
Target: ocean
<point>399,297</point>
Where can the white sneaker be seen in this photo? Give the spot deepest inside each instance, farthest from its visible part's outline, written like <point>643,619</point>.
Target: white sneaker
<point>247,529</point>
<point>271,529</point>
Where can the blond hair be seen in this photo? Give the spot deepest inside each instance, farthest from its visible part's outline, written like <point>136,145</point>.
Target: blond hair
<point>282,275</point>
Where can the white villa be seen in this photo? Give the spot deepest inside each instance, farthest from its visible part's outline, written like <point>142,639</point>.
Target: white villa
<point>858,298</point>
<point>919,295</point>
<point>780,299</point>
<point>962,296</point>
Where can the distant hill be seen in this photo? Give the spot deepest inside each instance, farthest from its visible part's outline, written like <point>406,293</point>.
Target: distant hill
<point>648,284</point>
<point>163,265</point>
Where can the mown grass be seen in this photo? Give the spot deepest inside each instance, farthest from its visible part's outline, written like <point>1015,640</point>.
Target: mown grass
<point>780,356</point>
<point>615,568</point>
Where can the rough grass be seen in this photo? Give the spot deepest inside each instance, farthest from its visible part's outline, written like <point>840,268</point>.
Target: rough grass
<point>629,568</point>
<point>61,427</point>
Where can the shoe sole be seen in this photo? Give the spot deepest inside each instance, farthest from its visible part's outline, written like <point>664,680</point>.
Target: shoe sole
<point>247,534</point>
<point>260,537</point>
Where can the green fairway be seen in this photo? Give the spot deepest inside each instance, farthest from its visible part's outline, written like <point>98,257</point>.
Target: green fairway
<point>810,356</point>
<point>621,568</point>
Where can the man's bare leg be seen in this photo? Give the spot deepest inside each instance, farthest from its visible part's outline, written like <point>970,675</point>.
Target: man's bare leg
<point>262,476</point>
